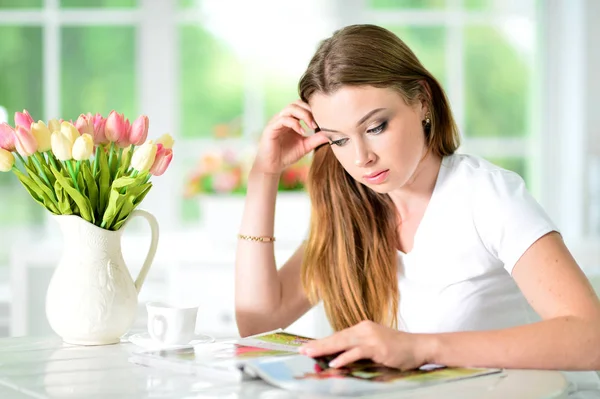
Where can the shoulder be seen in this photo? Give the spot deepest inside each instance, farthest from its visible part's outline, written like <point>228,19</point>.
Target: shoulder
<point>478,171</point>
<point>481,182</point>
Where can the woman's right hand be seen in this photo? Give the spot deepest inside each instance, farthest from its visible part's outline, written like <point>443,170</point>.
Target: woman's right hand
<point>283,141</point>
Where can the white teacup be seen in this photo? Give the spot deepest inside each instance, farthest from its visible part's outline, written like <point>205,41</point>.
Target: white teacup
<point>171,324</point>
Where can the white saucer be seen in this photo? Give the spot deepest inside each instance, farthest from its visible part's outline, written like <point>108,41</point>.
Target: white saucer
<point>145,341</point>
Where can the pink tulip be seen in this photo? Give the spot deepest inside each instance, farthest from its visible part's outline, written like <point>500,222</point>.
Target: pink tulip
<point>85,125</point>
<point>162,160</point>
<point>99,125</point>
<point>25,142</point>
<point>139,130</point>
<point>23,119</point>
<point>7,137</point>
<point>116,129</point>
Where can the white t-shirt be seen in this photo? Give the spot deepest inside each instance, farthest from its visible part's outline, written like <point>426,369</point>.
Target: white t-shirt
<point>480,220</point>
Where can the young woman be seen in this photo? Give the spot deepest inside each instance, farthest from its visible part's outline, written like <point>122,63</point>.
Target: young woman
<point>420,255</point>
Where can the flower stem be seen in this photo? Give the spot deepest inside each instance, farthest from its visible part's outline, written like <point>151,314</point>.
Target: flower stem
<point>98,149</point>
<point>69,167</point>
<point>21,158</point>
<point>111,153</point>
<point>52,160</point>
<point>38,165</point>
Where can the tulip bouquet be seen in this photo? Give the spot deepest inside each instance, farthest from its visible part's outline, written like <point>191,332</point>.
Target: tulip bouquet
<point>96,168</point>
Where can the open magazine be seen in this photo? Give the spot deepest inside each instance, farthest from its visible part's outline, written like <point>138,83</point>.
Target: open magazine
<point>274,358</point>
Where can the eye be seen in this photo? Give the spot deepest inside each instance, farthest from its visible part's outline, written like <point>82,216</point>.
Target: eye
<point>378,129</point>
<point>339,142</point>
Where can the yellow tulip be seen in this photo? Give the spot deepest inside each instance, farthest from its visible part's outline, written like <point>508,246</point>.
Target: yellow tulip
<point>166,140</point>
<point>61,146</point>
<point>83,147</point>
<point>69,131</point>
<point>53,125</point>
<point>143,157</point>
<point>7,160</point>
<point>42,135</point>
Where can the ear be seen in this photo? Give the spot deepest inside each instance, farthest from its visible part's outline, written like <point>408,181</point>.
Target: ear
<point>425,97</point>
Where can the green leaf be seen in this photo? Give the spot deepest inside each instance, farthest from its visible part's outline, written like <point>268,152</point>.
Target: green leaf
<point>49,193</point>
<point>85,209</point>
<point>126,161</point>
<point>115,202</point>
<point>126,209</point>
<point>123,182</point>
<point>103,182</point>
<point>30,186</point>
<point>90,185</point>
<point>36,192</point>
<point>64,202</point>
<point>115,162</point>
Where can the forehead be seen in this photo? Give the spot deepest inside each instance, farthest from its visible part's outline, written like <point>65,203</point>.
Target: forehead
<point>353,102</point>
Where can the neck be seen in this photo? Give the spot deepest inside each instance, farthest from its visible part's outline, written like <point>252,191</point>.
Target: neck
<point>416,193</point>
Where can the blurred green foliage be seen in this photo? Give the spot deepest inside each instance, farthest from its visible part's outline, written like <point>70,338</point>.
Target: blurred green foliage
<point>12,4</point>
<point>211,85</point>
<point>98,71</point>
<point>98,3</point>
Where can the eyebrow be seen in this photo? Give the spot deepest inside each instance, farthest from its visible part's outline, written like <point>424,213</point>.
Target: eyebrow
<point>360,122</point>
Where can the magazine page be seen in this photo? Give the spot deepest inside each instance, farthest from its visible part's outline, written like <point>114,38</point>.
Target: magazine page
<point>303,374</point>
<point>275,340</point>
<point>219,360</point>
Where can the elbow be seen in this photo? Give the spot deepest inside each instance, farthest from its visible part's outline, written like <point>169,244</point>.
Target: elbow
<point>249,324</point>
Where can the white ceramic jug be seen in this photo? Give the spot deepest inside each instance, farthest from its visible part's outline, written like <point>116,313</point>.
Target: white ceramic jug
<point>92,299</point>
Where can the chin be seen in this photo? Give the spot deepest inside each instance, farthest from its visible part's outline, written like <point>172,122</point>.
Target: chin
<point>380,188</point>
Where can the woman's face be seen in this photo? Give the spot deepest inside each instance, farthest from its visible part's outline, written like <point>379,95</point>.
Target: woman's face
<point>374,134</point>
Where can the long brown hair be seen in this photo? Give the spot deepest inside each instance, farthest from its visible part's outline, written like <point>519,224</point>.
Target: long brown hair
<point>350,259</point>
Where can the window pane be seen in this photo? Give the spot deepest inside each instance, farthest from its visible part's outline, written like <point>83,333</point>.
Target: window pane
<point>518,165</point>
<point>20,88</point>
<point>212,86</point>
<point>497,85</point>
<point>428,45</point>
<point>98,3</point>
<point>98,71</point>
<point>397,4</point>
<point>21,3</point>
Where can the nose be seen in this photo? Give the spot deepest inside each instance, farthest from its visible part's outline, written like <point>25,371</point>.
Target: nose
<point>364,156</point>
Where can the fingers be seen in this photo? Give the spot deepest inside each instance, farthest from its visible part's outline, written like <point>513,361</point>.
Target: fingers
<point>312,142</point>
<point>291,122</point>
<point>348,357</point>
<point>302,104</point>
<point>338,342</point>
<point>301,111</point>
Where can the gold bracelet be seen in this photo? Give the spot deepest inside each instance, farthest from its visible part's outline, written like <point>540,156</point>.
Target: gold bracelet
<point>255,238</point>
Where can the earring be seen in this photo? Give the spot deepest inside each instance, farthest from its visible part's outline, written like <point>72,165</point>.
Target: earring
<point>427,120</point>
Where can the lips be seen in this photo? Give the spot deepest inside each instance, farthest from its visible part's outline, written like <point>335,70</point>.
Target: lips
<point>374,174</point>
<point>377,177</point>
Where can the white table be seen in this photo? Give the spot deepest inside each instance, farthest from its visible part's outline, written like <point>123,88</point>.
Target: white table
<point>47,368</point>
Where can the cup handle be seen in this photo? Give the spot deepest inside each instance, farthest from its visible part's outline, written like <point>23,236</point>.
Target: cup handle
<point>139,281</point>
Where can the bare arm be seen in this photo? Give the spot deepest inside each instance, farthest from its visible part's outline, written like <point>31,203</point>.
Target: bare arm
<point>265,298</point>
<point>568,338</point>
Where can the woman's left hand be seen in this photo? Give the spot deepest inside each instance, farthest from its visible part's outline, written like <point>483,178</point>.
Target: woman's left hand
<point>369,340</point>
